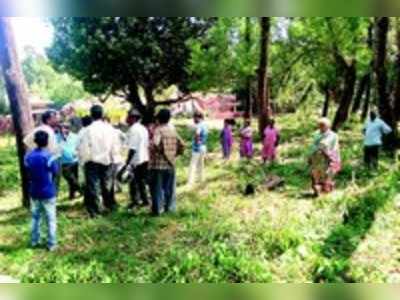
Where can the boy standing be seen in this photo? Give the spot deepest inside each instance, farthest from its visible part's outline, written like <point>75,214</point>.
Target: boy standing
<point>43,169</point>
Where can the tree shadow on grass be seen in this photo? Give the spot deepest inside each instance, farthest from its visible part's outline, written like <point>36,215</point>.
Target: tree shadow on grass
<point>11,211</point>
<point>338,248</point>
<point>116,248</point>
<point>21,216</point>
<point>16,247</point>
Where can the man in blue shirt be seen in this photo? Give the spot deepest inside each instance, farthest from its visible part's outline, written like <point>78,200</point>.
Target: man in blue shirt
<point>42,168</point>
<point>69,159</point>
<point>199,149</point>
<point>374,130</point>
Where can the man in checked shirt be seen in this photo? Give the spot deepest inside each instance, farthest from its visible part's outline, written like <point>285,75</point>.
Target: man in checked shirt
<point>165,148</point>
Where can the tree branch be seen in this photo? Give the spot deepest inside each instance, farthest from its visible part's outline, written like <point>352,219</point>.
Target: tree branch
<point>104,98</point>
<point>181,99</point>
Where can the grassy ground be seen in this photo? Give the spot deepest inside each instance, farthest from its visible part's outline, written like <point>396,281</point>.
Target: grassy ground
<point>219,235</point>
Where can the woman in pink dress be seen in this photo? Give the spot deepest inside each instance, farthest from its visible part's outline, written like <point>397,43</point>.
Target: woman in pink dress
<point>270,142</point>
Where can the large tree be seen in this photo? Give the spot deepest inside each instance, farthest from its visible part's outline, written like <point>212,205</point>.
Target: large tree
<point>135,56</point>
<point>397,68</point>
<point>263,90</point>
<point>17,94</point>
<point>248,107</point>
<point>385,106</point>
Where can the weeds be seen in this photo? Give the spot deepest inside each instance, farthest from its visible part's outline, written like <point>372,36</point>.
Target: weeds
<point>218,235</point>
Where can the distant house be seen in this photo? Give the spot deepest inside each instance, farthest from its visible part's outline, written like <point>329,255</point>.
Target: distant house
<point>115,108</point>
<point>39,106</point>
<point>215,106</point>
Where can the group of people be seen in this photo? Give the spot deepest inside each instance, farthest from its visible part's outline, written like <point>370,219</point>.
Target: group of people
<point>98,148</point>
<point>152,146</point>
<point>324,156</point>
<point>271,138</point>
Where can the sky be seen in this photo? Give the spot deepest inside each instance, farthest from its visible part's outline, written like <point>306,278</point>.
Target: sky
<point>34,32</point>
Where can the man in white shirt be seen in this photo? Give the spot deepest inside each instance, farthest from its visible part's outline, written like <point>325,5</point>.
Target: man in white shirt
<point>138,158</point>
<point>374,130</point>
<point>86,122</point>
<point>49,123</point>
<point>99,147</point>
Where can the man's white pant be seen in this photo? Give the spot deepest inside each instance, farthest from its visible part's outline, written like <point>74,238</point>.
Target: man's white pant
<point>196,167</point>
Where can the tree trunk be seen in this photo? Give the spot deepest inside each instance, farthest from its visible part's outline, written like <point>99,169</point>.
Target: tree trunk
<point>150,101</point>
<point>18,97</point>
<point>368,87</point>
<point>134,99</point>
<point>248,104</point>
<point>345,103</point>
<point>367,100</point>
<point>397,84</point>
<point>263,91</point>
<point>360,92</point>
<point>325,109</point>
<point>385,108</point>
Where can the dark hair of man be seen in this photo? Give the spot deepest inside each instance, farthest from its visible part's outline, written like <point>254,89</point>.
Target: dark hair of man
<point>199,115</point>
<point>86,121</point>
<point>41,139</point>
<point>147,119</point>
<point>46,116</point>
<point>164,116</point>
<point>134,114</point>
<point>373,115</point>
<point>96,112</point>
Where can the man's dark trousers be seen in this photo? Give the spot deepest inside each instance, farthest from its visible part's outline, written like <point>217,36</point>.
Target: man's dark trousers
<point>98,179</point>
<point>138,184</point>
<point>371,156</point>
<point>70,173</point>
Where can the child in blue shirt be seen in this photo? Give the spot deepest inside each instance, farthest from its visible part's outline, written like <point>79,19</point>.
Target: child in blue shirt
<point>42,169</point>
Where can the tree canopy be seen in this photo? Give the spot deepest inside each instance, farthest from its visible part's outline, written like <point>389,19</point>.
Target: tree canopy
<point>134,56</point>
<point>45,81</point>
<point>332,59</point>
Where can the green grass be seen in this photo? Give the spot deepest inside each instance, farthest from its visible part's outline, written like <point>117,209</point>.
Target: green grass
<point>219,235</point>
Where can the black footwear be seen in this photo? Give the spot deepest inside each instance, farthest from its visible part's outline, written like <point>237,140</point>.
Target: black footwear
<point>34,246</point>
<point>93,215</point>
<point>155,214</point>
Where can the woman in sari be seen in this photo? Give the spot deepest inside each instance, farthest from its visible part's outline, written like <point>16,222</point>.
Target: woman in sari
<point>246,140</point>
<point>324,159</point>
<point>270,142</point>
<point>227,139</point>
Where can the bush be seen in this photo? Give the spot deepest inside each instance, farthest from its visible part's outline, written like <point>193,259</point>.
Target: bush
<point>9,174</point>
